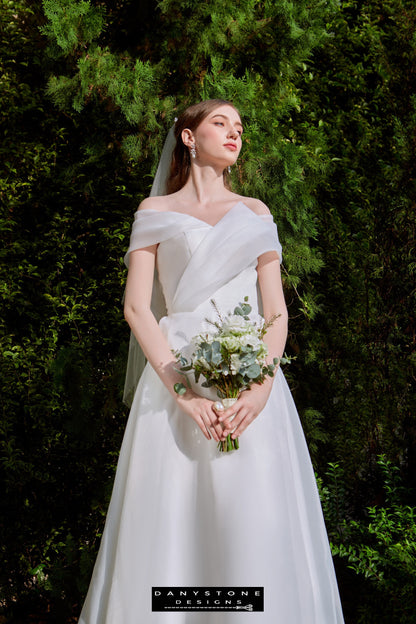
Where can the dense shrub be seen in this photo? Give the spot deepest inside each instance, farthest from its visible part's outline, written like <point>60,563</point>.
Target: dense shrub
<point>380,547</point>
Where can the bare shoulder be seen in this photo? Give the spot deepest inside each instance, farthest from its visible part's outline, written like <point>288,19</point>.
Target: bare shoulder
<point>256,205</point>
<point>155,203</point>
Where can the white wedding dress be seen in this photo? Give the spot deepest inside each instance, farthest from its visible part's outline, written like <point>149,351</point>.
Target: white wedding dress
<point>183,514</point>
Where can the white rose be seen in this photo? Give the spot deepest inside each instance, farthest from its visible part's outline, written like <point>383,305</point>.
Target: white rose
<point>235,363</point>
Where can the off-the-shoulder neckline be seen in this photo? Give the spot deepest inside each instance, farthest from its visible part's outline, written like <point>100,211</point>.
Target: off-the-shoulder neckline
<point>185,214</point>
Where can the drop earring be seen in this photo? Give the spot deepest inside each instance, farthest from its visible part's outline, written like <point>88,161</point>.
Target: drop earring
<point>193,151</point>
<point>229,169</point>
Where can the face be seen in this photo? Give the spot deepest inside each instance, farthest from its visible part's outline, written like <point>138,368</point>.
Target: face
<point>218,137</point>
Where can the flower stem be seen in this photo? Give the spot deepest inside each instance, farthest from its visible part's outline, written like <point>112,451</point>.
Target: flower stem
<point>228,445</point>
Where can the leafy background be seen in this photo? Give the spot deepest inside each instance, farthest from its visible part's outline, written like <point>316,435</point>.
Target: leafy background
<point>87,93</point>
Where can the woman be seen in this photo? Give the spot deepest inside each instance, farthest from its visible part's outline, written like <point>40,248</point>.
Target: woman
<point>183,514</point>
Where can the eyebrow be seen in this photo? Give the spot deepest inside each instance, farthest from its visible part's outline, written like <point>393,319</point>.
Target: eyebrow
<point>238,123</point>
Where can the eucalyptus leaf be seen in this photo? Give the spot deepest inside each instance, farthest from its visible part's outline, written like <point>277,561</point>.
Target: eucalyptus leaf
<point>216,356</point>
<point>253,371</point>
<point>246,308</point>
<point>179,388</point>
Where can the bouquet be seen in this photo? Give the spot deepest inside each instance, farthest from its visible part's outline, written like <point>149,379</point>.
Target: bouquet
<point>231,357</point>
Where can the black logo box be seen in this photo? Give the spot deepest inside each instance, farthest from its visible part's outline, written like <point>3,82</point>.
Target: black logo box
<point>208,599</point>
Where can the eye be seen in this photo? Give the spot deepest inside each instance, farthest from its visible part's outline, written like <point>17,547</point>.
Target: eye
<point>221,123</point>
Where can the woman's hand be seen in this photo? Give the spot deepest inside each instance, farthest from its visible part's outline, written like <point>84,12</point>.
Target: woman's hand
<point>201,411</point>
<point>246,409</point>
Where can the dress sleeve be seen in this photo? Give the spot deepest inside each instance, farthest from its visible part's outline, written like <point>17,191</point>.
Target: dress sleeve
<point>151,227</point>
<point>268,218</point>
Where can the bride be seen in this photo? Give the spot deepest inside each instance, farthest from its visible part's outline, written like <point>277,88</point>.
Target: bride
<point>183,514</point>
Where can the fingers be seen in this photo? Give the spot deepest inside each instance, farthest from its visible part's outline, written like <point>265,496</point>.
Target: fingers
<point>218,424</point>
<point>211,425</point>
<point>200,411</point>
<point>229,415</point>
<point>225,414</point>
<point>237,418</point>
<point>215,430</point>
<point>204,430</point>
<point>226,417</point>
<point>241,422</point>
<point>218,408</point>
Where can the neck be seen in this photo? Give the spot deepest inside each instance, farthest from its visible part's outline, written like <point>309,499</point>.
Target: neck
<point>205,184</point>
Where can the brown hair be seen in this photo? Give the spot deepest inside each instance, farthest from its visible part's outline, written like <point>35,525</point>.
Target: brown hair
<point>180,166</point>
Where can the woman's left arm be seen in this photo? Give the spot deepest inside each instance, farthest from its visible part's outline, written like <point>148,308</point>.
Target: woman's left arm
<point>251,402</point>
<point>271,288</point>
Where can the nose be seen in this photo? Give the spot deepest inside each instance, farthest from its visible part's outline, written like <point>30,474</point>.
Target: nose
<point>233,133</point>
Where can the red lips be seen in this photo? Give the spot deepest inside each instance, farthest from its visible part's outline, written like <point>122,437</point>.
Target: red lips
<point>232,146</point>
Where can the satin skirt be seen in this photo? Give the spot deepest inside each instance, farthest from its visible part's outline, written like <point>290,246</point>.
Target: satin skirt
<point>182,514</point>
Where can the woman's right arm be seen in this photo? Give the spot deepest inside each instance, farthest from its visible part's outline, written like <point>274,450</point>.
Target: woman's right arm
<point>139,316</point>
<point>155,347</point>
